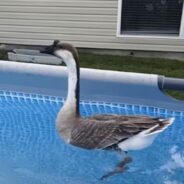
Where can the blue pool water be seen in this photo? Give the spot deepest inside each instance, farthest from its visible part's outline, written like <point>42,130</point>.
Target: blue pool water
<point>31,151</point>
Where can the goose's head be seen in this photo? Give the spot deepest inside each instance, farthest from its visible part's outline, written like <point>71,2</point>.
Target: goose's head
<point>65,51</point>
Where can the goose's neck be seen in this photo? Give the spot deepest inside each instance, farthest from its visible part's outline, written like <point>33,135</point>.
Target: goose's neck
<point>72,100</point>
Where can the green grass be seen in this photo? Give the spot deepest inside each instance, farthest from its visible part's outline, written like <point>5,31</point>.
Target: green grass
<point>172,68</point>
<point>169,68</point>
<point>3,55</point>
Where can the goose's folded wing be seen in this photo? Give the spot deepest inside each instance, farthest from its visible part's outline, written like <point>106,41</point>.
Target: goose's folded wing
<point>101,133</point>
<point>118,118</point>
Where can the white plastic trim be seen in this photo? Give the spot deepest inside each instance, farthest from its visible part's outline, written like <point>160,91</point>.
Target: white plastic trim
<point>33,57</point>
<point>119,18</point>
<point>182,24</point>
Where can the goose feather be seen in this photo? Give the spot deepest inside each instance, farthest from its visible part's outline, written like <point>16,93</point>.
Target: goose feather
<point>105,131</point>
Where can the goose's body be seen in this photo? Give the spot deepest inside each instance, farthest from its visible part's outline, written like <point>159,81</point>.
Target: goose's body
<point>112,131</point>
<point>100,131</point>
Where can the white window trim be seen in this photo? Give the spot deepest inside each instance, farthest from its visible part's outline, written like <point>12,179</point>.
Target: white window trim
<point>118,34</point>
<point>182,24</point>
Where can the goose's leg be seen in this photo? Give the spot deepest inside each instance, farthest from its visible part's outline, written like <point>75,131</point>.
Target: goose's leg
<point>121,167</point>
<point>119,150</point>
<point>125,156</point>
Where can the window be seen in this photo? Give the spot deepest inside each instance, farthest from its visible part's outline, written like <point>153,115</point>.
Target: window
<point>151,17</point>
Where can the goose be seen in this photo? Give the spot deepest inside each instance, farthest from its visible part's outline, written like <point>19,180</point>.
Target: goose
<point>102,131</point>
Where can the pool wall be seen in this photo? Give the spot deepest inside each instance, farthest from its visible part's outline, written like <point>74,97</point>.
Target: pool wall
<point>96,85</point>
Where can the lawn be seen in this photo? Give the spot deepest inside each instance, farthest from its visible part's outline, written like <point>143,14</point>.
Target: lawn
<point>3,55</point>
<point>169,68</point>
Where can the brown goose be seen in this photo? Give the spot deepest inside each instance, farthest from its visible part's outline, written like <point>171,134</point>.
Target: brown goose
<point>100,131</point>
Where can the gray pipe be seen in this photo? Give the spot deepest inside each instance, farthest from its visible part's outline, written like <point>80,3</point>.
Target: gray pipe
<point>170,83</point>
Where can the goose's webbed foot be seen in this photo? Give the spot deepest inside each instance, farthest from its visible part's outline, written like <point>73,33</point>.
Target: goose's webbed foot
<point>120,168</point>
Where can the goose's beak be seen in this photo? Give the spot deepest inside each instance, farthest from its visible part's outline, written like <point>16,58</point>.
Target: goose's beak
<point>48,50</point>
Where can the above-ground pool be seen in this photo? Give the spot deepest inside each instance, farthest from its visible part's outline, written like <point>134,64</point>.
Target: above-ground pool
<point>31,151</point>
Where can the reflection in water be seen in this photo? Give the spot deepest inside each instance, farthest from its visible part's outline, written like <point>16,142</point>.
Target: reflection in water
<point>172,182</point>
<point>174,164</point>
<point>176,161</point>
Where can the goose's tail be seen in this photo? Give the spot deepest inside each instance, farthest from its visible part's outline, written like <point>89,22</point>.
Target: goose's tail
<point>160,126</point>
<point>146,137</point>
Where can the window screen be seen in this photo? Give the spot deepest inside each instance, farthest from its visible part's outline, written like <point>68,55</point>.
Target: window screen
<point>151,17</point>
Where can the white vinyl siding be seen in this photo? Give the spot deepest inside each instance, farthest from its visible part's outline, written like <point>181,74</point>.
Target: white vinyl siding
<point>84,23</point>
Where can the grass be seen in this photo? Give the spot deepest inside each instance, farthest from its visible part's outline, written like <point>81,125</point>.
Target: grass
<point>3,55</point>
<point>169,68</point>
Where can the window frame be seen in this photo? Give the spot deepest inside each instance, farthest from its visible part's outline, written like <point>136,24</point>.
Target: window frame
<point>120,35</point>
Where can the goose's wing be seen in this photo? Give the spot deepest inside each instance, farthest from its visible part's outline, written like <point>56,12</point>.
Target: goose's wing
<point>117,118</point>
<point>103,131</point>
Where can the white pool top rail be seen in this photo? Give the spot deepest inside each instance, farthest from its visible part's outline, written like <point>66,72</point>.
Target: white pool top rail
<point>96,85</point>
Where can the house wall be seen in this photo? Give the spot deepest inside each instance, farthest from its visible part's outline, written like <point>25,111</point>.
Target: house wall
<point>85,23</point>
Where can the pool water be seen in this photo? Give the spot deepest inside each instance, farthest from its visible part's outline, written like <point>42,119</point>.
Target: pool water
<point>31,151</point>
